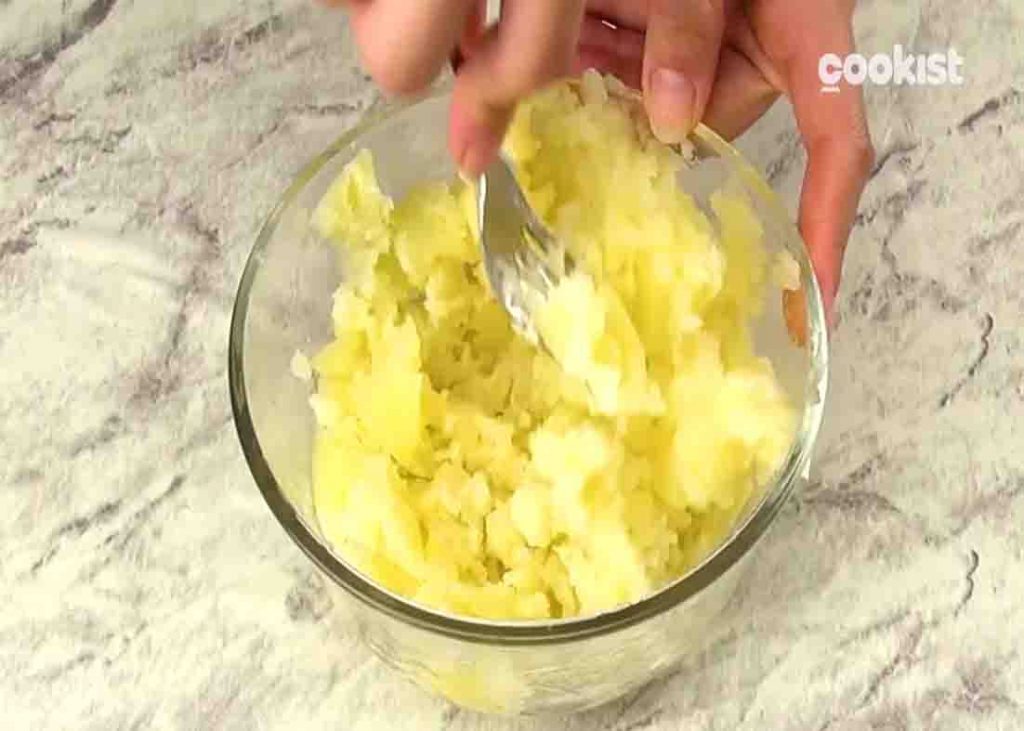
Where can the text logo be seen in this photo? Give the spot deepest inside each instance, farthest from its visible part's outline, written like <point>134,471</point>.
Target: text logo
<point>884,69</point>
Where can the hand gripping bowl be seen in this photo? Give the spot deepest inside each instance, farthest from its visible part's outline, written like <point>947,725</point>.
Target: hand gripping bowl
<point>512,667</point>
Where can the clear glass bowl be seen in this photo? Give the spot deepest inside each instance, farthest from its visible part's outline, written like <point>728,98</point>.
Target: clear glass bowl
<point>284,304</point>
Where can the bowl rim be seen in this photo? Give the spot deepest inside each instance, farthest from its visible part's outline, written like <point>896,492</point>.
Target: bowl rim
<point>534,632</point>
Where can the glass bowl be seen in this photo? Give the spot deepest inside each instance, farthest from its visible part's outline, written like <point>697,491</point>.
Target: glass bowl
<point>515,667</point>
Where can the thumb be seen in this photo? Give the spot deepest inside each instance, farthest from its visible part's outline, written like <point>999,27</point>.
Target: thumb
<point>680,59</point>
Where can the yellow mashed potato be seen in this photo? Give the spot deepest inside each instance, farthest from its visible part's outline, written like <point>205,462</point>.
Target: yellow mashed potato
<point>458,465</point>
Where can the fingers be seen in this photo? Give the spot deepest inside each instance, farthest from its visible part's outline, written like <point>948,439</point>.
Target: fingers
<point>534,43</point>
<point>743,89</point>
<point>473,29</point>
<point>630,14</point>
<point>682,44</point>
<point>404,44</point>
<point>617,51</point>
<point>839,151</point>
<point>837,171</point>
<point>680,59</point>
<point>741,95</point>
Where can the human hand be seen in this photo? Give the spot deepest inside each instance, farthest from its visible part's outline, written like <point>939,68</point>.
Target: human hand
<point>726,62</point>
<point>404,44</point>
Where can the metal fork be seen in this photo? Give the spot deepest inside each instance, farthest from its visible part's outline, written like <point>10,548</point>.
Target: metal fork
<point>522,258</point>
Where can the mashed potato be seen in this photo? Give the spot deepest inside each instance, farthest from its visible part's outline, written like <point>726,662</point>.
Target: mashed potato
<point>460,466</point>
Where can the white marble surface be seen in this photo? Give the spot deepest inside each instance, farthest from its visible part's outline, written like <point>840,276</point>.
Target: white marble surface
<point>145,584</point>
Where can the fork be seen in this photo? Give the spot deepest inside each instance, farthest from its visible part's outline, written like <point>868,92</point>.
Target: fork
<point>523,260</point>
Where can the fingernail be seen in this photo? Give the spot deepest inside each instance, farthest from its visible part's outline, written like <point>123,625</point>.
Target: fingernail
<point>794,311</point>
<point>673,97</point>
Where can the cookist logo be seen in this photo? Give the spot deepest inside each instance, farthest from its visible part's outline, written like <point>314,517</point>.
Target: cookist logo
<point>897,68</point>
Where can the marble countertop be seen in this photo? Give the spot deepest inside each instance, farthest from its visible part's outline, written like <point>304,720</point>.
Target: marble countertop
<point>144,582</point>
